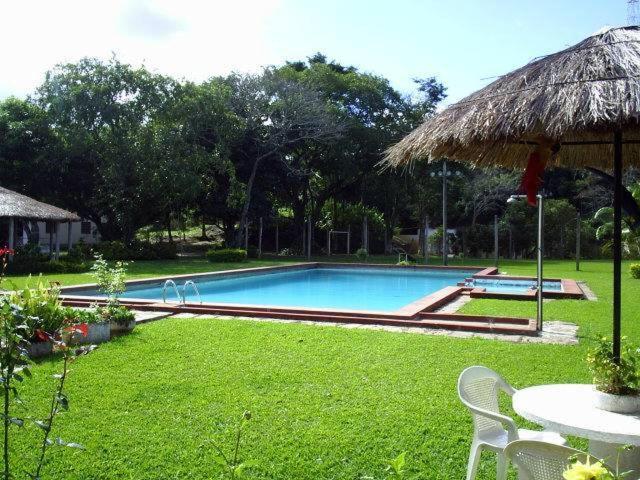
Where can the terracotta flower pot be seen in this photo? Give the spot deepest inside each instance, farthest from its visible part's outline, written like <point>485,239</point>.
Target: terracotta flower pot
<point>616,403</point>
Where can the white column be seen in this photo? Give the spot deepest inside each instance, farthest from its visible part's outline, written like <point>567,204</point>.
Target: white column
<point>56,226</point>
<point>11,233</point>
<point>69,244</point>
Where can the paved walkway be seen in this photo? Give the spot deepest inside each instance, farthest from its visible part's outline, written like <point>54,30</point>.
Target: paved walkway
<point>553,332</point>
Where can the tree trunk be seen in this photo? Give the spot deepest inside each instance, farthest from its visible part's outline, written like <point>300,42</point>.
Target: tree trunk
<point>247,201</point>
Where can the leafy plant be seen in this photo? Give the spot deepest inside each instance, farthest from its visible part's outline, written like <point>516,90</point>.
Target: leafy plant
<point>621,378</point>
<point>227,255</point>
<point>14,368</point>
<point>362,254</point>
<point>395,467</point>
<point>116,313</point>
<point>231,464</point>
<point>111,280</point>
<point>41,308</point>
<point>635,270</point>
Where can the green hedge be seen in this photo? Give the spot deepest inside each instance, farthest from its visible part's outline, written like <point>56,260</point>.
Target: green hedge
<point>635,270</point>
<point>116,250</point>
<point>227,255</point>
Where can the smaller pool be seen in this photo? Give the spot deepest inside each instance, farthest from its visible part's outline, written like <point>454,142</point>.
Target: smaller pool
<point>512,285</point>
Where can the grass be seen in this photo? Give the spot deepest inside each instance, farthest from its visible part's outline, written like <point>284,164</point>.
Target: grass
<point>327,403</point>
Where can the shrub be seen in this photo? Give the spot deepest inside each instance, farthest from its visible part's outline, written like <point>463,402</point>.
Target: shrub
<point>110,279</point>
<point>76,316</point>
<point>80,253</point>
<point>227,255</point>
<point>362,254</point>
<point>609,377</point>
<point>41,307</point>
<point>116,250</point>
<point>116,314</point>
<point>635,270</point>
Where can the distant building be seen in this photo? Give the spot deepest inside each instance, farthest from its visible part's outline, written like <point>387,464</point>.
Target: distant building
<point>25,220</point>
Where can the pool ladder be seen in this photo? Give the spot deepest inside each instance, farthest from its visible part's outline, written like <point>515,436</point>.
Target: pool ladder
<point>182,298</point>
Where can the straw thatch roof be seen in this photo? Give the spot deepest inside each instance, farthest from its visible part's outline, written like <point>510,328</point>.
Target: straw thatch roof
<point>13,204</point>
<point>576,95</point>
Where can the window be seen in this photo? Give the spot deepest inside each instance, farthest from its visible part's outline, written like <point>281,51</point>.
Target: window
<point>85,228</point>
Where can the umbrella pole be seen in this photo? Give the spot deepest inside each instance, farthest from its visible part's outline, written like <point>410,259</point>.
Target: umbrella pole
<point>617,241</point>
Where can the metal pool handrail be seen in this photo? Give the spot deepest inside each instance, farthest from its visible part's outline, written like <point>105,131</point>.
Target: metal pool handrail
<point>170,283</point>
<point>190,283</point>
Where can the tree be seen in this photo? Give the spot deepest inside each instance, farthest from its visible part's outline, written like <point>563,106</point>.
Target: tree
<point>101,111</point>
<point>28,149</point>
<point>278,115</point>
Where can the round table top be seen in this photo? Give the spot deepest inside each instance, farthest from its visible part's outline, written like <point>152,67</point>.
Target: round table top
<point>569,409</point>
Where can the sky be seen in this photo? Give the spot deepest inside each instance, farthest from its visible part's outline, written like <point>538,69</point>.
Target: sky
<point>464,43</point>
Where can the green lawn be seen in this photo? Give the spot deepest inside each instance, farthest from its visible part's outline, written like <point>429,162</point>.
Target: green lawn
<point>327,403</point>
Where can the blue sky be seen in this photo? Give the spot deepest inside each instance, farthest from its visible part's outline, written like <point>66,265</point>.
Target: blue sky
<point>464,43</point>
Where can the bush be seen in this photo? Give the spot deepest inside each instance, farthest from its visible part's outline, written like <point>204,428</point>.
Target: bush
<point>635,270</point>
<point>75,316</point>
<point>80,253</point>
<point>227,255</point>
<point>116,314</point>
<point>116,250</point>
<point>362,254</point>
<point>609,377</point>
<point>41,307</point>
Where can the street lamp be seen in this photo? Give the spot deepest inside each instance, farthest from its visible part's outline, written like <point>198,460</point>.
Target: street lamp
<point>540,249</point>
<point>444,174</point>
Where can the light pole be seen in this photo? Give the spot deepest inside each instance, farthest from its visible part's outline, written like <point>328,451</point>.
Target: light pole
<point>445,240</point>
<point>540,249</point>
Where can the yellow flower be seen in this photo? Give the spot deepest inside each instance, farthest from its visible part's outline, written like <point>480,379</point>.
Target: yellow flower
<point>586,471</point>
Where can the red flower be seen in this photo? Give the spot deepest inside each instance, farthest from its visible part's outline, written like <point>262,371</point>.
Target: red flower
<point>41,335</point>
<point>82,328</point>
<point>6,251</point>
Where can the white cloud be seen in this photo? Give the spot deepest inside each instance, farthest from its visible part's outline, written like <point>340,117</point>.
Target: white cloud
<point>187,39</point>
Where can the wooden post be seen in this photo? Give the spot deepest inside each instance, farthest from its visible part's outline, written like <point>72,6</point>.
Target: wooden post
<point>57,228</point>
<point>277,238</point>
<point>365,234</point>
<point>578,233</point>
<point>329,243</point>
<point>12,234</point>
<point>496,252</point>
<point>309,235</point>
<point>260,240</point>
<point>424,238</point>
<point>69,242</point>
<point>349,240</point>
<point>304,238</point>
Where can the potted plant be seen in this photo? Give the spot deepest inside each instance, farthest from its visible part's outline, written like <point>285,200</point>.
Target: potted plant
<point>111,281</point>
<point>617,384</point>
<point>85,327</point>
<point>120,318</point>
<point>43,312</point>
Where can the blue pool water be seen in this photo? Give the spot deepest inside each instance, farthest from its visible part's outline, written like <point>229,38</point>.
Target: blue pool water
<point>379,289</point>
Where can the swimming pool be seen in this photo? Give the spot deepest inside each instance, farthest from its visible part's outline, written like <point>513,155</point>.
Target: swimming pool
<point>370,289</point>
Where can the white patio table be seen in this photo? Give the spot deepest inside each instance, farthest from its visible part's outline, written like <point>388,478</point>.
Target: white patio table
<point>568,409</point>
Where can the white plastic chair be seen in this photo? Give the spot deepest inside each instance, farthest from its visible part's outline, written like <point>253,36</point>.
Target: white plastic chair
<point>540,460</point>
<point>478,388</point>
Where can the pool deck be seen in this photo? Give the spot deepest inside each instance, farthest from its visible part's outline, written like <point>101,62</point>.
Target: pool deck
<point>418,314</point>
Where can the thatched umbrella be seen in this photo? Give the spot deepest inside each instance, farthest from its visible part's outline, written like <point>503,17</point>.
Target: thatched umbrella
<point>584,100</point>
